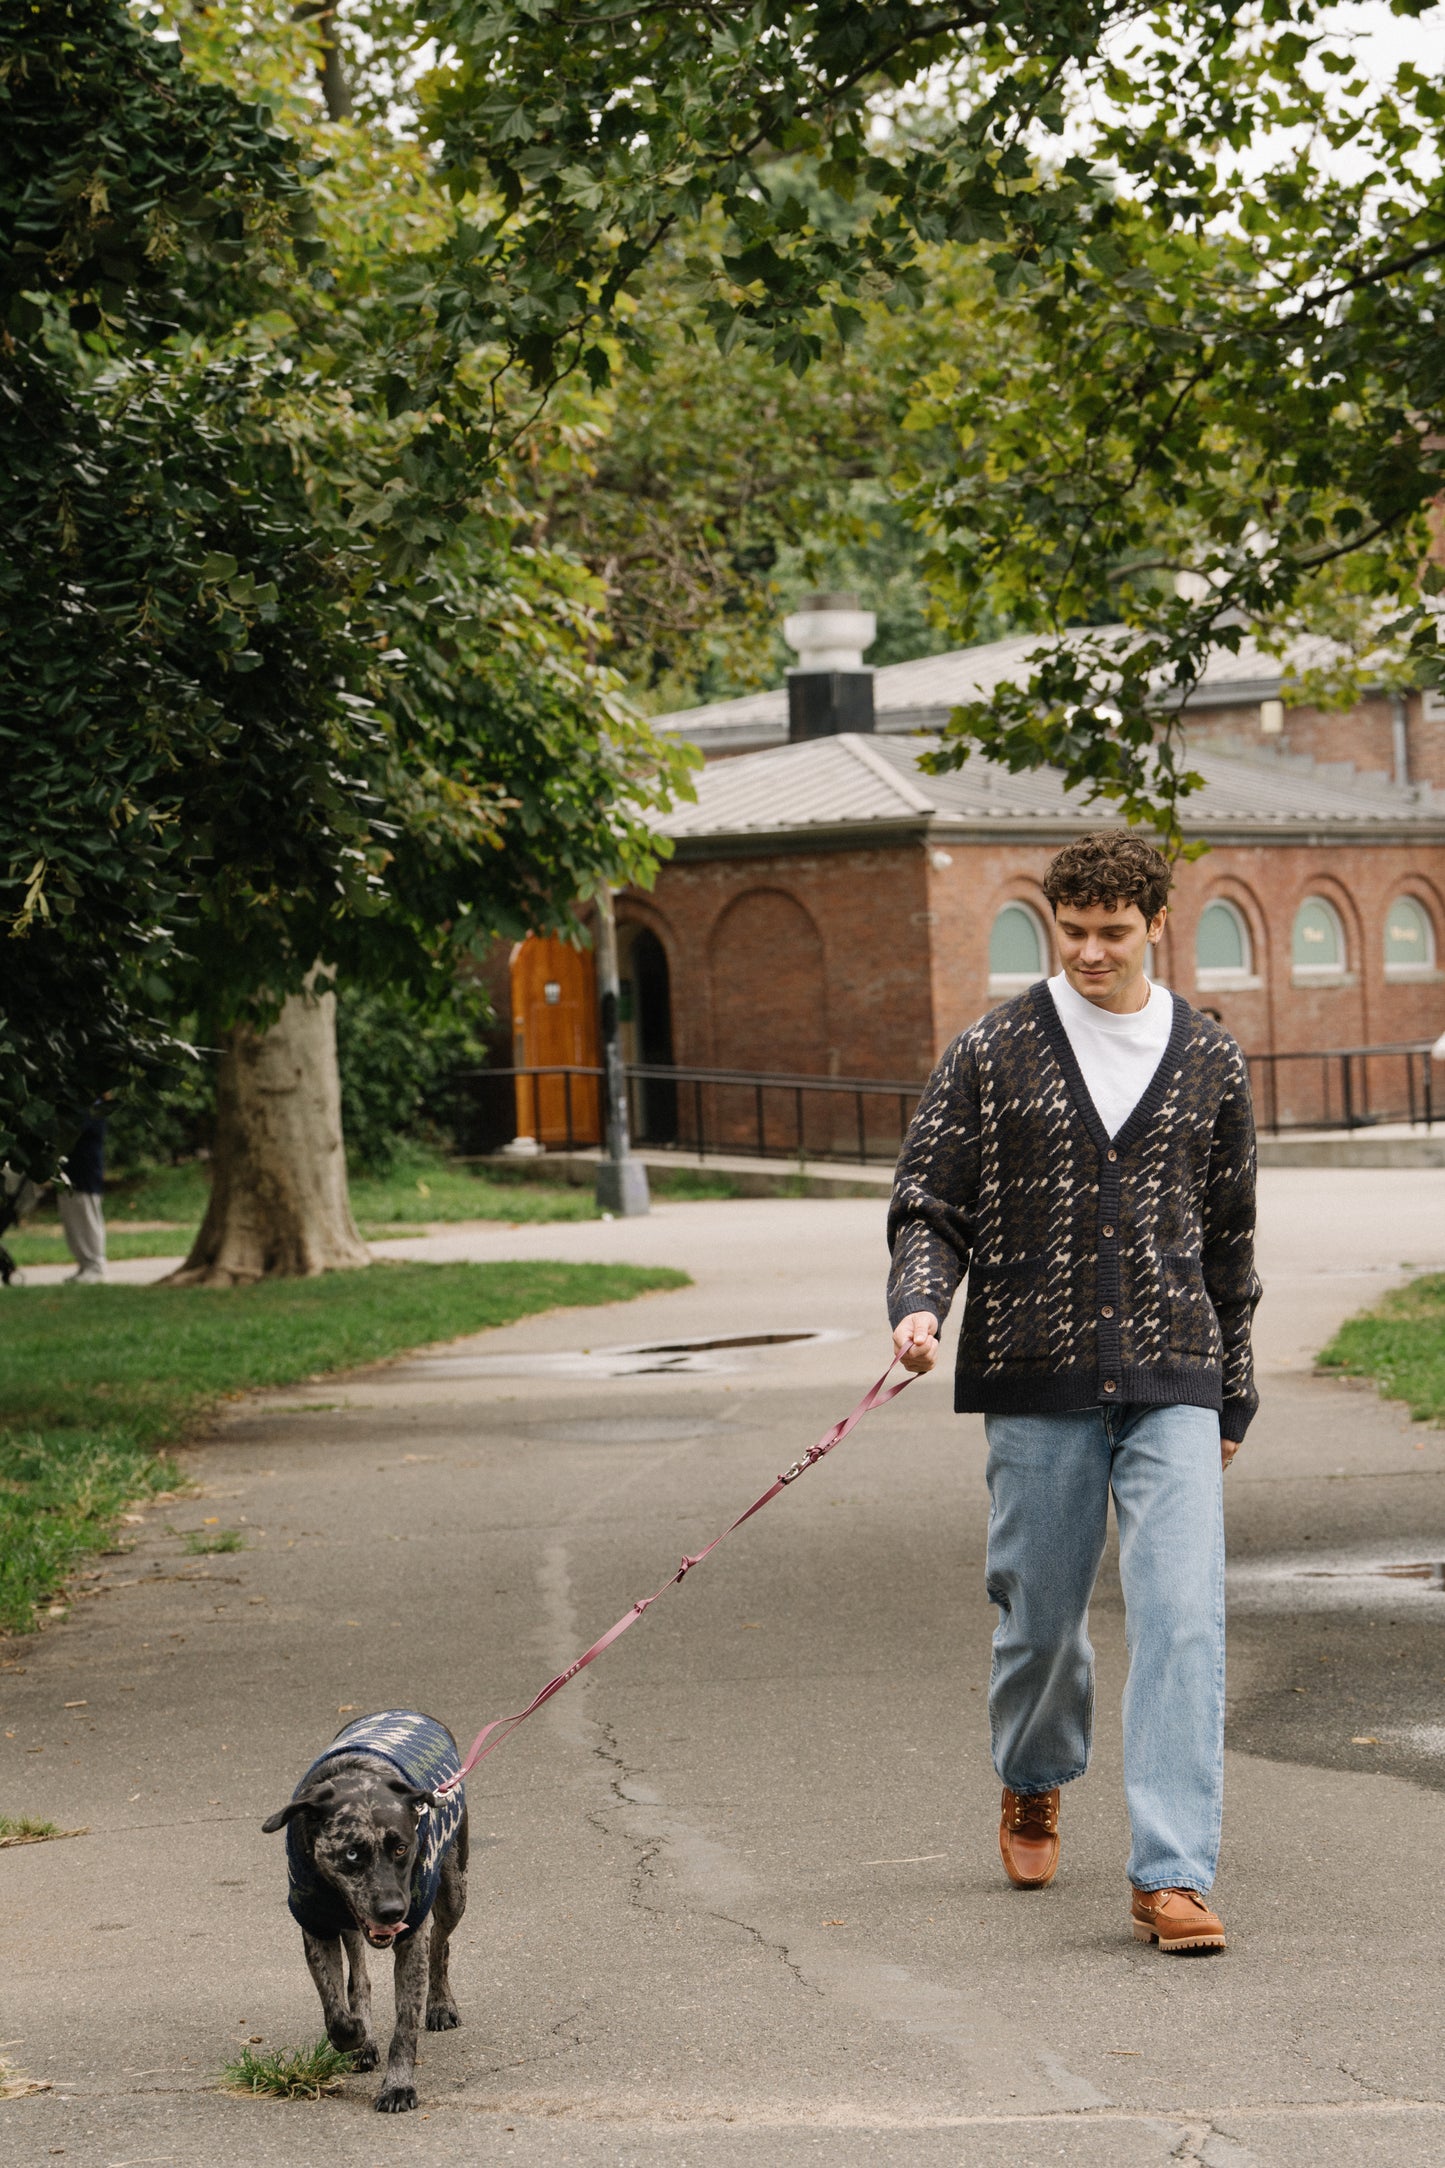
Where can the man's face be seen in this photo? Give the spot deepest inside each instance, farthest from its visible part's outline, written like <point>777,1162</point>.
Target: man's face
<point>1102,947</point>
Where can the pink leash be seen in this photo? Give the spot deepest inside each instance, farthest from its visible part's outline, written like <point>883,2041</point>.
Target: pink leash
<point>504,1726</point>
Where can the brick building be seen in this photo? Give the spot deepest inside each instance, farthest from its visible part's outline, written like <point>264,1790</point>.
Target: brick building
<point>831,909</point>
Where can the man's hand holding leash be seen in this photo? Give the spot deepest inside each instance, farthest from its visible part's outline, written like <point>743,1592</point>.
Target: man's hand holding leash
<point>915,1342</point>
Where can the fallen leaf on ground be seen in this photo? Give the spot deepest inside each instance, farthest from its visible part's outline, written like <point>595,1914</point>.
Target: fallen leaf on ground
<point>1364,1739</point>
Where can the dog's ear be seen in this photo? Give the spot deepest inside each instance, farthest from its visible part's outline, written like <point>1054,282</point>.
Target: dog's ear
<point>319,1797</point>
<point>410,1794</point>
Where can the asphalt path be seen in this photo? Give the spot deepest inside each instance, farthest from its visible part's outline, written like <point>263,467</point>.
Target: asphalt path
<point>735,1894</point>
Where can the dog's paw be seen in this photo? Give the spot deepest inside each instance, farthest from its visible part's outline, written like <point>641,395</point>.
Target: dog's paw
<point>442,2018</point>
<point>366,2057</point>
<point>349,2034</point>
<point>395,2099</point>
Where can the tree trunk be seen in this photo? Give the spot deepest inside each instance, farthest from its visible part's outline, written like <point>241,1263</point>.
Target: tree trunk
<point>279,1206</point>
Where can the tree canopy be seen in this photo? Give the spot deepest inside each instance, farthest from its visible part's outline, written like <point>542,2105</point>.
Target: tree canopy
<point>262,703</point>
<point>289,672</point>
<point>1216,234</point>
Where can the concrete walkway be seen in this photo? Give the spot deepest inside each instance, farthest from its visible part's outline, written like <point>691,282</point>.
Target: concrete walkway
<point>735,1896</point>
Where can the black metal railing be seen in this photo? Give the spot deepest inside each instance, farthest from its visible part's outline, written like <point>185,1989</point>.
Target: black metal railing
<point>767,1115</point>
<point>1343,1087</point>
<point>774,1115</point>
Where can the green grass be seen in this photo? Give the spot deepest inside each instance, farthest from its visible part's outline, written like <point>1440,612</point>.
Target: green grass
<point>430,1188</point>
<point>95,1381</point>
<point>687,1183</point>
<point>39,1244</point>
<point>420,1188</point>
<point>287,2073</point>
<point>1401,1345</point>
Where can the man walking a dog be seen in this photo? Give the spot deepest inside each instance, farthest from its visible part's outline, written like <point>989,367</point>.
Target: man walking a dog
<point>1085,1154</point>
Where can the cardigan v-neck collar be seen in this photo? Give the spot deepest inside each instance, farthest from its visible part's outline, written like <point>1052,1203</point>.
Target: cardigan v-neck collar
<point>1147,1106</point>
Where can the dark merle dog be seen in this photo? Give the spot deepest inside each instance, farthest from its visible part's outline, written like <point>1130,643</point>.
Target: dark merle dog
<point>376,1855</point>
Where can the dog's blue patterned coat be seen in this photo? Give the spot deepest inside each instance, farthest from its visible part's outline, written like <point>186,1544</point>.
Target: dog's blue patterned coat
<point>423,1752</point>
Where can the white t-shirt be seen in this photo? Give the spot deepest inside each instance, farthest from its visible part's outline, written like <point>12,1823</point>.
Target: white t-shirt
<point>1117,1054</point>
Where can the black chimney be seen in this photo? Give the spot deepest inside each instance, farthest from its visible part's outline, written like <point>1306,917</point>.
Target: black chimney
<point>831,689</point>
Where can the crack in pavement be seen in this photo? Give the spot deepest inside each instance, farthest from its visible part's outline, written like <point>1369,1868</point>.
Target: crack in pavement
<point>779,1950</point>
<point>1206,2146</point>
<point>884,1992</point>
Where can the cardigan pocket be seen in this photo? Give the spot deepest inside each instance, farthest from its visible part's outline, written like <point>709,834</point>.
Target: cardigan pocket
<point>1006,1319</point>
<point>1193,1327</point>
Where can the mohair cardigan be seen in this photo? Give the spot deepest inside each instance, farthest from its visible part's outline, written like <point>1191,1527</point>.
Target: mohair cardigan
<point>1099,1271</point>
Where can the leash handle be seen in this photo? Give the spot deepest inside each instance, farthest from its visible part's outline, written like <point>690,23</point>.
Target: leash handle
<point>504,1726</point>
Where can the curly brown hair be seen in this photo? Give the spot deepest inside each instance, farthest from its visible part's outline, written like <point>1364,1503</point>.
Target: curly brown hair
<point>1111,867</point>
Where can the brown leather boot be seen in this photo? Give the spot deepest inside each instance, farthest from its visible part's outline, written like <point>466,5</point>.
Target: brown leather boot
<point>1028,1837</point>
<point>1177,1919</point>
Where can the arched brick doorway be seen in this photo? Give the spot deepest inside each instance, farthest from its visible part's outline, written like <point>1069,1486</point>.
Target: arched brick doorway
<point>647,1031</point>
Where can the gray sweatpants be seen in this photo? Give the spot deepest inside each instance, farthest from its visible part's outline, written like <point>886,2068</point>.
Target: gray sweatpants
<point>82,1215</point>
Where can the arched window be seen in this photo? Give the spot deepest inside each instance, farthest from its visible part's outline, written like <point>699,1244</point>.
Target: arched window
<point>1222,947</point>
<point>1409,939</point>
<point>1018,950</point>
<point>1318,948</point>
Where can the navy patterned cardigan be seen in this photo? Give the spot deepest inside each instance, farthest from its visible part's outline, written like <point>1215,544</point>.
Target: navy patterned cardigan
<point>1099,1270</point>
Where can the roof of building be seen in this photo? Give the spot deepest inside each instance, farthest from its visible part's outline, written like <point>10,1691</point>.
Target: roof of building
<point>828,789</point>
<point>920,695</point>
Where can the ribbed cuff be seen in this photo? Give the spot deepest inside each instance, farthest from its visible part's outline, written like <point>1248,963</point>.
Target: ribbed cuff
<point>1235,1418</point>
<point>908,1305</point>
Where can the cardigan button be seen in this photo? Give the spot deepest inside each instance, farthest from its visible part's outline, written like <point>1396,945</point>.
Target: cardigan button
<point>1108,1310</point>
<point>1108,1230</point>
<point>1109,1386</point>
<point>1111,1155</point>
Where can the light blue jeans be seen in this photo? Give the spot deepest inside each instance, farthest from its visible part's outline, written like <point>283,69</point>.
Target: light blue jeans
<point>1049,1479</point>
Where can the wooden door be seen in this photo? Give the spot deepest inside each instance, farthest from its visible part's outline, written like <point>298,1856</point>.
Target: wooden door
<point>554,1025</point>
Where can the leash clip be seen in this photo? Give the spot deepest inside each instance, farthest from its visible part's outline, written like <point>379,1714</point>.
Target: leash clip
<point>799,1467</point>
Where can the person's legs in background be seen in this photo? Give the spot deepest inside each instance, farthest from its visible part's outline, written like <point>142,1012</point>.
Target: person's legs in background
<point>82,1215</point>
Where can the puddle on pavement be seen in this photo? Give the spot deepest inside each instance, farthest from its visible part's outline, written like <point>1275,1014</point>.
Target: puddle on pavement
<point>668,1358</point>
<point>1333,1581</point>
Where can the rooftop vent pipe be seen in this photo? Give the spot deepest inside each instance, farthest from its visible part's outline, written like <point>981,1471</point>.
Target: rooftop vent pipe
<point>831,689</point>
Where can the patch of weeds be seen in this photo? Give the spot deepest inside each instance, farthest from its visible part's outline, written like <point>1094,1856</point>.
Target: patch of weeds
<point>208,1543</point>
<point>287,2073</point>
<point>25,1829</point>
<point>14,2085</point>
